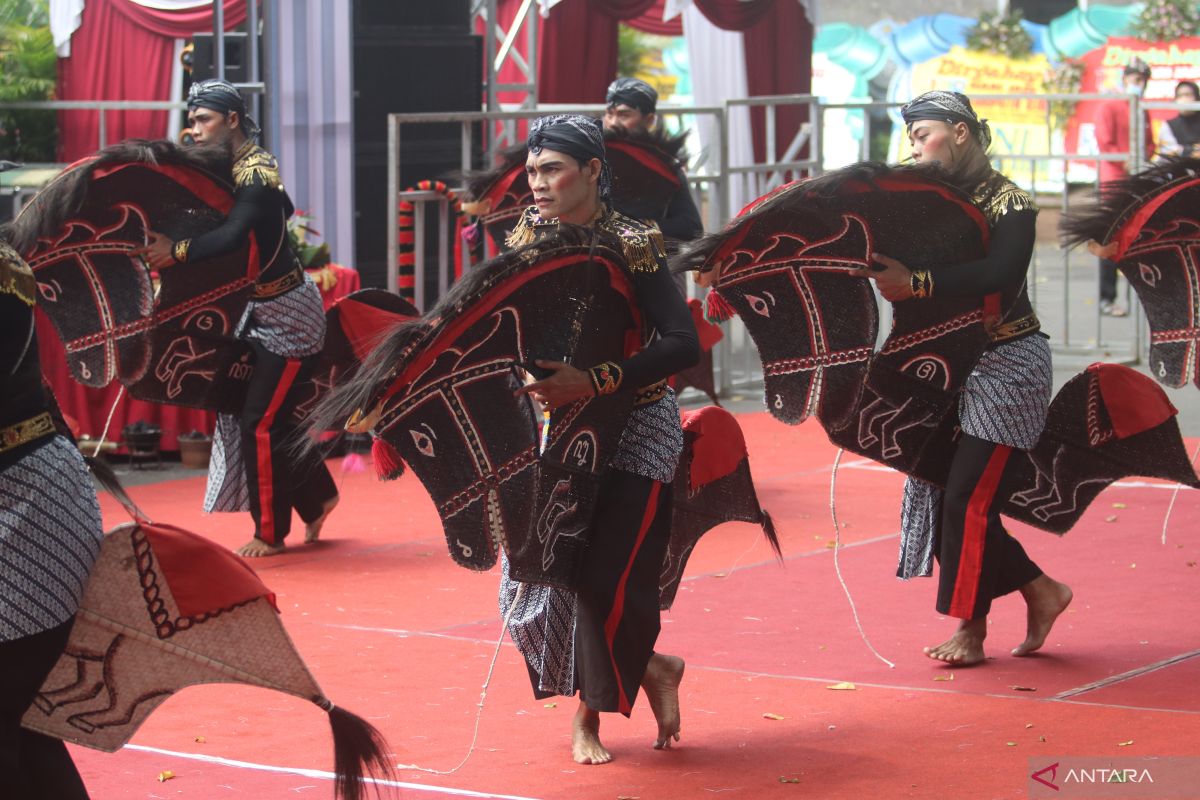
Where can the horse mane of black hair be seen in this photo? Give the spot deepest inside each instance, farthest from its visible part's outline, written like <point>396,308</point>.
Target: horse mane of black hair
<point>696,255</point>
<point>476,184</point>
<point>1096,220</point>
<point>63,196</point>
<point>670,145</point>
<point>383,364</point>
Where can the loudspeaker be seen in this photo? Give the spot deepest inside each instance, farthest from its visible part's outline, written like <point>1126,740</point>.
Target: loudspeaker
<point>402,72</point>
<point>452,16</point>
<point>237,51</point>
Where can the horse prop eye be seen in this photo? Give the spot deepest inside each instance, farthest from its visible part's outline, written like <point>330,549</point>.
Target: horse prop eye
<point>760,306</point>
<point>424,441</point>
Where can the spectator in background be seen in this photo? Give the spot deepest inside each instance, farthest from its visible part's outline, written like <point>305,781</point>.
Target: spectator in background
<point>1181,136</point>
<point>1114,136</point>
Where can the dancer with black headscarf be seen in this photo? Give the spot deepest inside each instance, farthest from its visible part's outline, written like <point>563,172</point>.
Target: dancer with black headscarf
<point>254,465</point>
<point>632,105</point>
<point>599,640</point>
<point>1003,405</point>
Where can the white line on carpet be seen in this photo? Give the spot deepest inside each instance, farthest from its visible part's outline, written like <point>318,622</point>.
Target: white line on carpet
<point>321,774</point>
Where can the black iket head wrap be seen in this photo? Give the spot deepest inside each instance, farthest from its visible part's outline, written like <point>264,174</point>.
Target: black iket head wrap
<point>578,136</point>
<point>1136,67</point>
<point>633,93</point>
<point>222,97</point>
<point>951,107</point>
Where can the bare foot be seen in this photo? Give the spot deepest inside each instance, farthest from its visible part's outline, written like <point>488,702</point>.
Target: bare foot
<point>1045,599</point>
<point>661,682</point>
<point>965,647</point>
<point>312,530</point>
<point>256,548</point>
<point>585,738</point>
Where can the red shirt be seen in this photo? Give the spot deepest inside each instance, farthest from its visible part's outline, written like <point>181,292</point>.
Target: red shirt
<point>1112,135</point>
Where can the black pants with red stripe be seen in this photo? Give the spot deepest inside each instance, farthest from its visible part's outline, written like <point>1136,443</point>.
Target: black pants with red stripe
<point>278,477</point>
<point>979,560</point>
<point>32,766</point>
<point>617,618</point>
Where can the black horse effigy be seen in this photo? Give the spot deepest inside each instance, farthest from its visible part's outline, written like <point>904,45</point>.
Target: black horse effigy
<point>1152,222</point>
<point>440,390</point>
<point>168,337</point>
<point>170,343</point>
<point>783,269</point>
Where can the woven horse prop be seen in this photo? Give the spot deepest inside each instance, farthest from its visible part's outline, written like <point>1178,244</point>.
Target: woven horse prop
<point>165,609</point>
<point>783,269</point>
<point>1150,225</point>
<point>646,176</point>
<point>172,342</point>
<point>440,390</point>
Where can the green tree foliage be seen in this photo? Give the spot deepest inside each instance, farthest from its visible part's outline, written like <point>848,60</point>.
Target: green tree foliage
<point>27,72</point>
<point>631,49</point>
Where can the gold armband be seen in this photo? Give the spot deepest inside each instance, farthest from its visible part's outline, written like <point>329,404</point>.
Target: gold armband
<point>922,284</point>
<point>606,378</point>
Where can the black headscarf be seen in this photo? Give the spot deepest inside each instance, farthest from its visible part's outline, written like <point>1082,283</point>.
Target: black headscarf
<point>633,93</point>
<point>578,136</point>
<point>222,97</point>
<point>951,107</point>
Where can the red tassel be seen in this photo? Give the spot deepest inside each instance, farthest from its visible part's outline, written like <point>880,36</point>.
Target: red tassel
<point>388,463</point>
<point>716,307</point>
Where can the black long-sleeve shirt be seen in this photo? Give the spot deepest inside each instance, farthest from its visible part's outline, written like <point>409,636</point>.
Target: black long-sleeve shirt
<point>1004,266</point>
<point>262,207</point>
<point>672,342</point>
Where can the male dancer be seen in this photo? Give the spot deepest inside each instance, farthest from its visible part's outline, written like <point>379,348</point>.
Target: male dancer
<point>599,640</point>
<point>254,467</point>
<point>632,106</point>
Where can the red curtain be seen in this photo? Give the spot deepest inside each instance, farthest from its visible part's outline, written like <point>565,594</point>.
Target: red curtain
<point>778,61</point>
<point>738,15</point>
<point>623,9</point>
<point>577,54</point>
<point>123,51</point>
<point>179,24</point>
<point>651,21</point>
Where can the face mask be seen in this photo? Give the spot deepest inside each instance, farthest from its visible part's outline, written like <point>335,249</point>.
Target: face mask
<point>1135,89</point>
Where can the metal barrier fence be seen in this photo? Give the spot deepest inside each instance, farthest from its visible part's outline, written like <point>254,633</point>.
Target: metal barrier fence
<point>716,180</point>
<point>736,362</point>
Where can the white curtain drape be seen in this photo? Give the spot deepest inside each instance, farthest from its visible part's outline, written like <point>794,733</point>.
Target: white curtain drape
<point>718,65</point>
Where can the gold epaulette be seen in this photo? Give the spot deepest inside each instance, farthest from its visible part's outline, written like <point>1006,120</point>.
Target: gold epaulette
<point>998,195</point>
<point>523,233</point>
<point>16,278</point>
<point>642,244</point>
<point>254,165</point>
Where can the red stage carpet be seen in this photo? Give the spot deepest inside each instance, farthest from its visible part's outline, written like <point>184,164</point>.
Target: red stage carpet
<point>394,631</point>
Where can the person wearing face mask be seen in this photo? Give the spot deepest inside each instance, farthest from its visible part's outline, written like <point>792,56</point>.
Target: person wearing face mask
<point>1003,404</point>
<point>1181,136</point>
<point>1114,136</point>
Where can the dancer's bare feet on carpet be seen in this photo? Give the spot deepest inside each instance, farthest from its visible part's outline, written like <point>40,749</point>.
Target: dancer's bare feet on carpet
<point>585,738</point>
<point>312,530</point>
<point>257,548</point>
<point>661,683</point>
<point>965,647</point>
<point>1045,599</point>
